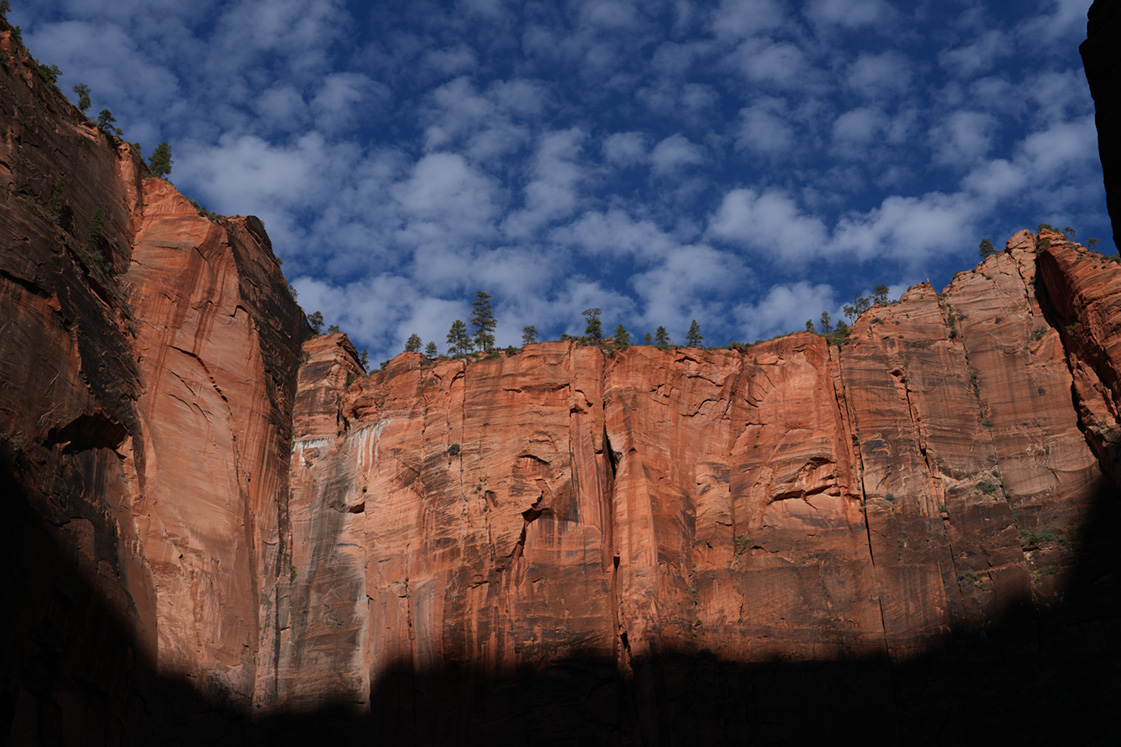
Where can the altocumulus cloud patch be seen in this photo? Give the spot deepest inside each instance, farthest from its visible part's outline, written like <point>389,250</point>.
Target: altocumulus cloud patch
<point>745,163</point>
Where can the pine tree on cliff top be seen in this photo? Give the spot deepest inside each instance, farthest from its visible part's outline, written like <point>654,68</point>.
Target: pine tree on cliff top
<point>482,319</point>
<point>459,342</point>
<point>594,330</point>
<point>694,338</point>
<point>160,163</point>
<point>83,92</point>
<point>622,337</point>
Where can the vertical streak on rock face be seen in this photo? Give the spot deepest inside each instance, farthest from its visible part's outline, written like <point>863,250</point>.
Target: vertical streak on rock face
<point>1083,292</point>
<point>212,344</point>
<point>789,500</point>
<point>146,374</point>
<point>969,447</point>
<point>322,605</point>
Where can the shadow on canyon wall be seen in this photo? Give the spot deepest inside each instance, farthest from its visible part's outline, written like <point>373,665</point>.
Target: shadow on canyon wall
<point>74,674</point>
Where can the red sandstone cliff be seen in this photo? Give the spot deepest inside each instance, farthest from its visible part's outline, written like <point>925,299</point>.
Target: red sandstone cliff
<point>793,500</point>
<point>201,530</point>
<point>146,378</point>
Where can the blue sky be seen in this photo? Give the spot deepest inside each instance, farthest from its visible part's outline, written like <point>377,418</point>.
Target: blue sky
<point>745,163</point>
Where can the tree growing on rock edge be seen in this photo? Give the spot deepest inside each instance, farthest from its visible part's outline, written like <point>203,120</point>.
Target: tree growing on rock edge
<point>661,338</point>
<point>83,92</point>
<point>315,320</point>
<point>529,335</point>
<point>459,342</point>
<point>594,330</point>
<point>413,344</point>
<point>106,122</point>
<point>622,337</point>
<point>987,248</point>
<point>859,305</point>
<point>431,351</point>
<point>482,319</point>
<point>880,295</point>
<point>693,337</point>
<point>159,164</point>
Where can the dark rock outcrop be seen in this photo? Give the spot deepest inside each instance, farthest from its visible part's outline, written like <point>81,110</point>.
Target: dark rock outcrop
<point>1101,57</point>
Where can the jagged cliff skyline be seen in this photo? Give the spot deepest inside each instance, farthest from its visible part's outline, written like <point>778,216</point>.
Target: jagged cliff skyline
<point>746,163</point>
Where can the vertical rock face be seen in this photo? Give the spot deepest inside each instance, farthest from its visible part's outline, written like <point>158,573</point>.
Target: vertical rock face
<point>792,500</point>
<point>217,358</point>
<point>147,365</point>
<point>1101,58</point>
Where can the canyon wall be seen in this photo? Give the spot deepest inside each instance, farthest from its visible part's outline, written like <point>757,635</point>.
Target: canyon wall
<point>148,359</point>
<point>791,501</point>
<point>212,534</point>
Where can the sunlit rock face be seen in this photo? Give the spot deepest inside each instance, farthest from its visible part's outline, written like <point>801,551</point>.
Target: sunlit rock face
<point>148,359</point>
<point>792,499</point>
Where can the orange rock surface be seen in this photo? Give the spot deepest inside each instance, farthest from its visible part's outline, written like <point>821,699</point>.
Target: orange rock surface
<point>147,370</point>
<point>789,500</point>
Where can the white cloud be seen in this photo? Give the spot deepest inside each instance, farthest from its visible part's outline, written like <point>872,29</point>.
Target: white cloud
<point>552,192</point>
<point>341,96</point>
<point>876,76</point>
<point>674,153</point>
<point>908,230</point>
<point>490,124</point>
<point>445,203</point>
<point>849,14</point>
<point>765,127</point>
<point>855,130</point>
<point>614,15</point>
<point>78,47</point>
<point>615,233</point>
<point>696,96</point>
<point>770,223</point>
<point>451,60</point>
<point>777,64</point>
<point>962,137</point>
<point>784,309</point>
<point>248,174</point>
<point>1062,147</point>
<point>1061,18</point>
<point>743,18</point>
<point>282,106</point>
<point>674,291</point>
<point>977,56</point>
<point>625,148</point>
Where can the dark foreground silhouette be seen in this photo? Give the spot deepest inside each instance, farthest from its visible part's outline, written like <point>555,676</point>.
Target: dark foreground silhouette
<point>74,675</point>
